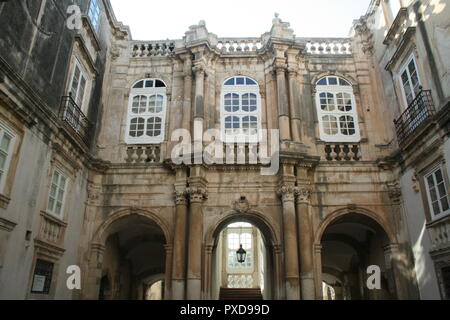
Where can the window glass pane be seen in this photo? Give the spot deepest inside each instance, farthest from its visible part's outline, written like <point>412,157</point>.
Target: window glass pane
<point>5,142</point>
<point>332,81</point>
<point>344,102</point>
<point>230,82</point>
<point>139,104</point>
<point>433,194</point>
<point>438,174</point>
<point>250,82</point>
<point>80,94</point>
<point>444,203</point>
<point>149,84</point>
<point>327,102</point>
<point>342,82</point>
<point>2,160</point>
<point>240,81</point>
<point>330,125</point>
<point>322,82</point>
<point>159,84</point>
<point>137,127</point>
<point>347,125</point>
<point>139,85</point>
<point>436,209</point>
<point>75,80</point>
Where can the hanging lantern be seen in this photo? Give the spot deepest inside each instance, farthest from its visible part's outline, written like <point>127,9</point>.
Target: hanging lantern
<point>241,254</point>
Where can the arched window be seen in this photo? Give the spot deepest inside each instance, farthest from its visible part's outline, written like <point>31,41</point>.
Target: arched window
<point>241,110</point>
<point>336,110</point>
<point>147,112</point>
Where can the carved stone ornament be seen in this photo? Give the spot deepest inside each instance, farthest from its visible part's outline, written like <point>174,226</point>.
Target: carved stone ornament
<point>287,192</point>
<point>241,206</point>
<point>197,194</point>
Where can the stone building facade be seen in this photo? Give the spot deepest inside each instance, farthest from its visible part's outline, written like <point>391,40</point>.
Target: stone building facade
<point>93,176</point>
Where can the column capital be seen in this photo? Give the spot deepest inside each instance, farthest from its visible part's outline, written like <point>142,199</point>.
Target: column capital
<point>199,69</point>
<point>180,197</point>
<point>303,195</point>
<point>197,194</point>
<point>168,248</point>
<point>318,248</point>
<point>287,193</point>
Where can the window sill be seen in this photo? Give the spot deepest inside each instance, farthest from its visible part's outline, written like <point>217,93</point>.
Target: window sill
<point>4,201</point>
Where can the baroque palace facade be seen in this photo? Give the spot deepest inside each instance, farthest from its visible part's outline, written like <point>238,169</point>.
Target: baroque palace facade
<point>90,174</point>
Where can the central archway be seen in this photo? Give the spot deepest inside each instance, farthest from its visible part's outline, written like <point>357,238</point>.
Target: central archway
<point>265,259</point>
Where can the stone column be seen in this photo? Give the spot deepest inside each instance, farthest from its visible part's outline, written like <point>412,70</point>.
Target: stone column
<point>92,283</point>
<point>394,269</point>
<point>179,246</point>
<point>196,195</point>
<point>306,244</point>
<point>186,122</point>
<point>168,276</point>
<point>318,271</point>
<point>199,112</point>
<point>283,106</point>
<point>287,194</point>
<point>294,105</point>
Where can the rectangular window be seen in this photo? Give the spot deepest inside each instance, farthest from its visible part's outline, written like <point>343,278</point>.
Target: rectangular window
<point>42,277</point>
<point>410,81</point>
<point>94,14</point>
<point>438,198</point>
<point>6,149</point>
<point>57,194</point>
<point>78,87</point>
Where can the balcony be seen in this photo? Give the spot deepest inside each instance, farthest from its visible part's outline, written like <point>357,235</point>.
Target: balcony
<point>72,115</point>
<point>440,234</point>
<point>419,113</point>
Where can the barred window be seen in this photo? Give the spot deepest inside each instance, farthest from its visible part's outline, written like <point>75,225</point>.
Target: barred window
<point>146,112</point>
<point>42,277</point>
<point>336,110</point>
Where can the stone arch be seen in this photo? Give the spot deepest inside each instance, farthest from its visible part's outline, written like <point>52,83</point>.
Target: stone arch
<point>270,237</point>
<point>358,210</point>
<point>344,76</point>
<point>103,231</point>
<point>116,222</point>
<point>254,217</point>
<point>153,75</point>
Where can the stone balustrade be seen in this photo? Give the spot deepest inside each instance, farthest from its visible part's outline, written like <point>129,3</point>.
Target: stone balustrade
<point>336,46</point>
<point>239,45</point>
<point>144,154</point>
<point>235,154</point>
<point>440,233</point>
<point>342,152</point>
<point>51,229</point>
<point>141,49</point>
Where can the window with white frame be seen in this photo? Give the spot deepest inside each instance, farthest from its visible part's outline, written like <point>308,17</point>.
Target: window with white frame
<point>409,80</point>
<point>241,110</point>
<point>147,112</point>
<point>336,110</point>
<point>7,140</point>
<point>57,193</point>
<point>94,14</point>
<point>437,192</point>
<point>78,87</point>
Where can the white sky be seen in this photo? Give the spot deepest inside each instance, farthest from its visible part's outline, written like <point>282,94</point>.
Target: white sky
<point>170,19</point>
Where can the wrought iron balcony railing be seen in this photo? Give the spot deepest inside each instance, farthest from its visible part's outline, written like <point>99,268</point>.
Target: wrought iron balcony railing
<point>418,113</point>
<point>72,115</point>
